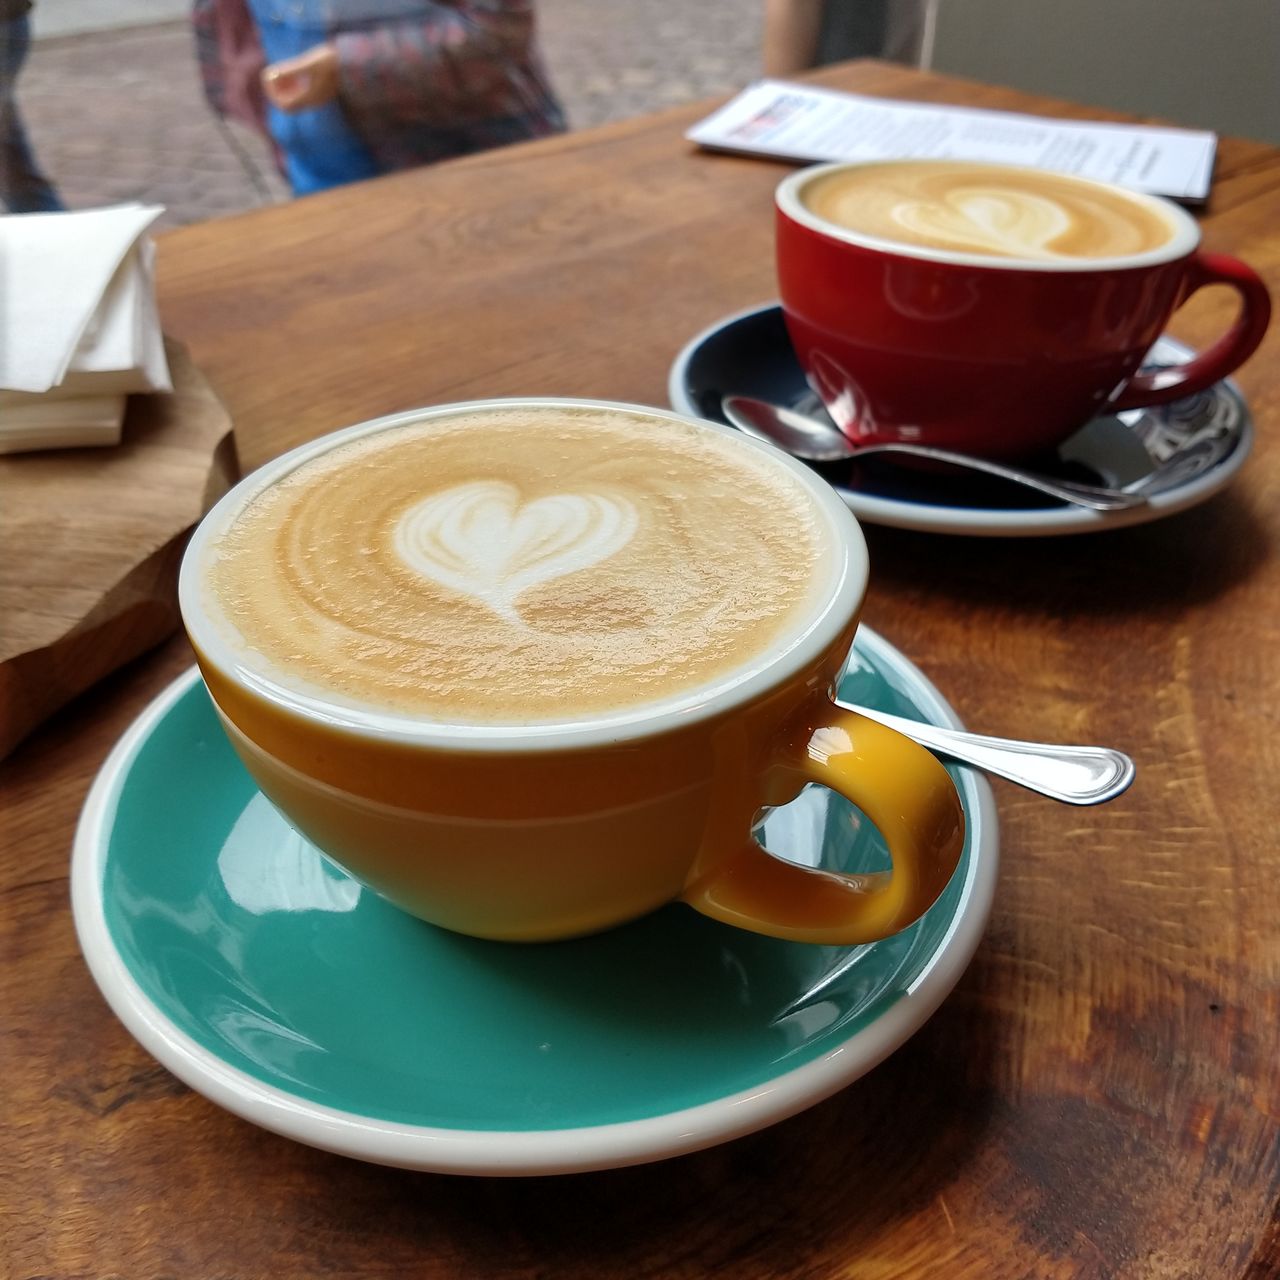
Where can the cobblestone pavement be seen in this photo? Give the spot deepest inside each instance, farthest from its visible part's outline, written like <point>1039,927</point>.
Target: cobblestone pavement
<point>119,115</point>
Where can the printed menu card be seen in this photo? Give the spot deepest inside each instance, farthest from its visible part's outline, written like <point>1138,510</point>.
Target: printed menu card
<point>797,122</point>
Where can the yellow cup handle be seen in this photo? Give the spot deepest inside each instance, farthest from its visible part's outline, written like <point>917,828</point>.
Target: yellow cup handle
<point>901,788</point>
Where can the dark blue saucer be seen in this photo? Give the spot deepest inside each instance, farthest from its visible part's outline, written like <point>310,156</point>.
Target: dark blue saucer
<point>750,354</point>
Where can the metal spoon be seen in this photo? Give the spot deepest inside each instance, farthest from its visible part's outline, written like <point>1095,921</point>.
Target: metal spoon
<point>815,441</point>
<point>1074,775</point>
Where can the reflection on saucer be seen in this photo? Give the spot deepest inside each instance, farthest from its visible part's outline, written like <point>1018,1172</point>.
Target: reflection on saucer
<point>750,354</point>
<point>263,870</point>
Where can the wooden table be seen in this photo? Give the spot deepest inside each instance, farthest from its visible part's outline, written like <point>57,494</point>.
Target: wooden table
<point>1101,1094</point>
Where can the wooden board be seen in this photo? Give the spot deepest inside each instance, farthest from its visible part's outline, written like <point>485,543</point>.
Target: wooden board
<point>90,542</point>
<point>1099,1099</point>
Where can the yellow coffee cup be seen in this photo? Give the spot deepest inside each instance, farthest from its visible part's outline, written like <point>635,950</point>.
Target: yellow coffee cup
<point>392,623</point>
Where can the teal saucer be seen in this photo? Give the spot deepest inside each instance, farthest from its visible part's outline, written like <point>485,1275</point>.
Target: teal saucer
<point>279,988</point>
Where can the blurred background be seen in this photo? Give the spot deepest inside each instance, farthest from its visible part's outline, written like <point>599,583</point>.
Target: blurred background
<point>113,104</point>
<point>112,100</point>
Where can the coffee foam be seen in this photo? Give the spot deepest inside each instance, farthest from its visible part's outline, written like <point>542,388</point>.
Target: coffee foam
<point>516,566</point>
<point>993,210</point>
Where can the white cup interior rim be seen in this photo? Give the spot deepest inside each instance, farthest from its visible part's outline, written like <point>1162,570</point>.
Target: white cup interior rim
<point>1184,239</point>
<point>845,589</point>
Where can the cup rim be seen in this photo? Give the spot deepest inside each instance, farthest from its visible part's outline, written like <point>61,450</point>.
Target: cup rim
<point>1183,242</point>
<point>846,587</point>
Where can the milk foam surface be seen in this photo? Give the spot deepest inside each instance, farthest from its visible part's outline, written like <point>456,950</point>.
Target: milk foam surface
<point>520,566</point>
<point>987,209</point>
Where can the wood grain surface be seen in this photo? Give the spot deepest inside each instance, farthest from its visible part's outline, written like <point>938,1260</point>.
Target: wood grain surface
<point>1101,1094</point>
<point>91,540</point>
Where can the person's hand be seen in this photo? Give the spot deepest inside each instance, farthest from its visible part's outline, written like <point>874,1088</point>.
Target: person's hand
<point>309,80</point>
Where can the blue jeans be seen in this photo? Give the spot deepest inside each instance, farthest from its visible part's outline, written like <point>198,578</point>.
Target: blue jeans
<point>319,146</point>
<point>23,188</point>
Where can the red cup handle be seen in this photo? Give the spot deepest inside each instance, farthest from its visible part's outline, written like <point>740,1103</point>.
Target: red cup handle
<point>1159,386</point>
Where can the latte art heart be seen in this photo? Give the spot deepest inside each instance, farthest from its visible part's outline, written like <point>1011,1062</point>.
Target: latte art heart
<point>482,541</point>
<point>1002,211</point>
<point>1020,224</point>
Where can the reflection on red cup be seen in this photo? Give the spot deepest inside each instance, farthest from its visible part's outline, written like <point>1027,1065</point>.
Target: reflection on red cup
<point>991,355</point>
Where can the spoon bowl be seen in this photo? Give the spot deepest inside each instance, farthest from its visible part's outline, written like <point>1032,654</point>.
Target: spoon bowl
<point>1182,451</point>
<point>1082,775</point>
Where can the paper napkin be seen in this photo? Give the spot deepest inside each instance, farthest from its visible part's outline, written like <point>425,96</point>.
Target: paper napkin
<point>79,330</point>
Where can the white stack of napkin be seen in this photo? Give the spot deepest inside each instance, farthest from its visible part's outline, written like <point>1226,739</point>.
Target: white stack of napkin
<point>79,330</point>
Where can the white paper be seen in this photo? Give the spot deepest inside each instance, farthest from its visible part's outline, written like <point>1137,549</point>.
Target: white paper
<point>56,276</point>
<point>798,122</point>
<point>29,421</point>
<point>122,348</point>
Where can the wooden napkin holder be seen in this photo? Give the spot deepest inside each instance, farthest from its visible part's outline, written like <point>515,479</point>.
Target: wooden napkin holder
<point>91,540</point>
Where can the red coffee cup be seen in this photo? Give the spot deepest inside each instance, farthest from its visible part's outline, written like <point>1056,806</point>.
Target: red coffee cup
<point>996,356</point>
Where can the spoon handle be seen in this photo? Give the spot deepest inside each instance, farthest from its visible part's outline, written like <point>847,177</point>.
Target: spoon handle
<point>1084,495</point>
<point>1074,775</point>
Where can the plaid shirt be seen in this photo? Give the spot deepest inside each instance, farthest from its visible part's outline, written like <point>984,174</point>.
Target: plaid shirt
<point>420,80</point>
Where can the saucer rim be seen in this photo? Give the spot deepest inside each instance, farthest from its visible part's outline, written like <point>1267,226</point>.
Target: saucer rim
<point>991,522</point>
<point>535,1151</point>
